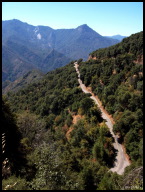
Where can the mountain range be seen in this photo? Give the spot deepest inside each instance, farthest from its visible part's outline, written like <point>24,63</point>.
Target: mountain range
<point>26,47</point>
<point>118,37</point>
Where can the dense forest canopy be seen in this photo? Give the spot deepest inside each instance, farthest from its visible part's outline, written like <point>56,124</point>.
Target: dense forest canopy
<point>65,142</point>
<point>116,76</point>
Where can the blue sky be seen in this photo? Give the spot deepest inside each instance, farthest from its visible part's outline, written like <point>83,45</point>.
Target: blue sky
<point>106,18</point>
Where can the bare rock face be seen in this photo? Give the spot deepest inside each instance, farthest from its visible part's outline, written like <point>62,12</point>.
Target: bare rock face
<point>91,57</point>
<point>134,180</point>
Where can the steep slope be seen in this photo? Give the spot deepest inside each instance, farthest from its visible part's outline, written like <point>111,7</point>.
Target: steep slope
<point>46,110</point>
<point>18,59</point>
<point>13,158</point>
<point>121,160</point>
<point>55,99</point>
<point>78,43</point>
<point>30,45</point>
<point>131,45</point>
<point>26,34</point>
<point>54,60</point>
<point>115,75</point>
<point>44,48</point>
<point>30,77</point>
<point>13,66</point>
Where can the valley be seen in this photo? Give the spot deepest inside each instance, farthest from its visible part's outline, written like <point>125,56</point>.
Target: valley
<point>43,48</point>
<point>71,128</point>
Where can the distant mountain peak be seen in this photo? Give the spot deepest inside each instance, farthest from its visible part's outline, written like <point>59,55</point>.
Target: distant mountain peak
<point>16,20</point>
<point>83,27</point>
<point>86,28</point>
<point>118,37</point>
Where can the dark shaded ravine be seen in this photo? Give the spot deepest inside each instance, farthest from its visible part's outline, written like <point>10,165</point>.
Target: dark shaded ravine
<point>121,160</point>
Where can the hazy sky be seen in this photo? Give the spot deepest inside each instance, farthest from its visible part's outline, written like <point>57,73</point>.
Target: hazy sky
<point>106,18</point>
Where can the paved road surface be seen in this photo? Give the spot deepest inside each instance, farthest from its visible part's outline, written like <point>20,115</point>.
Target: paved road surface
<point>121,160</point>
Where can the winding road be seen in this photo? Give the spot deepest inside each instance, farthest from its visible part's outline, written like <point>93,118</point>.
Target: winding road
<point>121,160</point>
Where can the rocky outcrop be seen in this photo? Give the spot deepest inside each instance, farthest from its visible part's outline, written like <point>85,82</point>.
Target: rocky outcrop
<point>134,180</point>
<point>92,57</point>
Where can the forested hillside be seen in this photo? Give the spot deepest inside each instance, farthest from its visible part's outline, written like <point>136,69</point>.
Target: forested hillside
<point>25,80</point>
<point>62,127</point>
<point>64,141</point>
<point>116,76</point>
